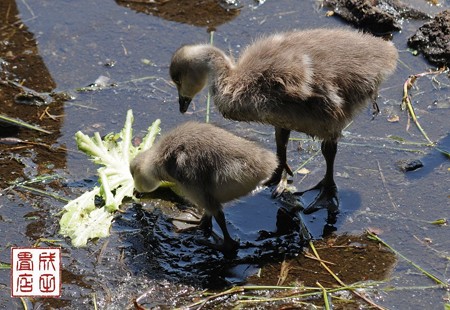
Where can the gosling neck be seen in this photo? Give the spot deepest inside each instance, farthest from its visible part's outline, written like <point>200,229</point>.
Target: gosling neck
<point>219,64</point>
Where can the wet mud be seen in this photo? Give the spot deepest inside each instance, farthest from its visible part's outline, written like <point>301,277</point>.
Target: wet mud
<point>22,68</point>
<point>432,39</point>
<point>183,255</point>
<point>377,16</point>
<point>265,258</point>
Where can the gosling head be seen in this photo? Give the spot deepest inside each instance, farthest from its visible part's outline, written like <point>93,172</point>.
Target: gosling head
<point>189,71</point>
<point>142,171</point>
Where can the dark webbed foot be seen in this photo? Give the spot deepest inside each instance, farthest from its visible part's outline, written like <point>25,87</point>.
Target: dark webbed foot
<point>279,178</point>
<point>228,248</point>
<point>281,186</point>
<point>204,224</point>
<point>326,199</point>
<point>328,193</point>
<point>227,245</point>
<point>277,175</point>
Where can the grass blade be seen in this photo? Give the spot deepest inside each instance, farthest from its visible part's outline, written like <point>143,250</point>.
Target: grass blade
<point>21,123</point>
<point>431,276</point>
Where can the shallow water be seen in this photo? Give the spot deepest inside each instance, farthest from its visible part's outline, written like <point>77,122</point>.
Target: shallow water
<point>65,45</point>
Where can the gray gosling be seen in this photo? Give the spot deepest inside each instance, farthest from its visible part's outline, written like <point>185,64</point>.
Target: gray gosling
<point>209,166</point>
<point>312,81</point>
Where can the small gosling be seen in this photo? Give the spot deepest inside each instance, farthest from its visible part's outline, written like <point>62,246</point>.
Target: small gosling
<point>312,81</point>
<point>208,165</point>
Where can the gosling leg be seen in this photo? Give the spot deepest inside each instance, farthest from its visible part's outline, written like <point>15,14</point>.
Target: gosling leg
<point>229,246</point>
<point>279,175</point>
<point>206,224</point>
<point>328,193</point>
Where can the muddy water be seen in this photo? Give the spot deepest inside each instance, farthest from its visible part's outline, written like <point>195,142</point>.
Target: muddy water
<point>60,46</point>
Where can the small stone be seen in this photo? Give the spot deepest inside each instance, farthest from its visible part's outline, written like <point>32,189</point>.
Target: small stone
<point>406,165</point>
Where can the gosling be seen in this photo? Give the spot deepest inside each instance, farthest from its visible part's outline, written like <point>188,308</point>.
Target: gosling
<point>312,81</point>
<point>209,166</point>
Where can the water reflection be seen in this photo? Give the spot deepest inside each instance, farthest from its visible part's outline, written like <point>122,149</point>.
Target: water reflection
<point>24,153</point>
<point>200,13</point>
<point>24,74</point>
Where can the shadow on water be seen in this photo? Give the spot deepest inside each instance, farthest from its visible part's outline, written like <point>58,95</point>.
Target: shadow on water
<point>274,233</point>
<point>431,161</point>
<point>322,224</point>
<point>269,231</point>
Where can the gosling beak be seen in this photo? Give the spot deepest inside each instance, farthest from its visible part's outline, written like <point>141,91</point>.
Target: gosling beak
<point>184,103</point>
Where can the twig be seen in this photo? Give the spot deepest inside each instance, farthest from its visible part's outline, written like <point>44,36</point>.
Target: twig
<point>24,303</point>
<point>311,292</point>
<point>44,193</point>
<point>51,241</point>
<point>20,141</point>
<point>325,296</point>
<point>94,300</point>
<point>284,272</point>
<point>37,179</point>
<point>102,251</point>
<point>383,180</point>
<point>94,87</point>
<point>366,145</point>
<point>441,254</point>
<point>28,7</point>
<point>444,152</point>
<point>382,147</point>
<point>200,303</point>
<point>406,100</point>
<point>21,123</point>
<point>305,292</point>
<point>408,288</point>
<point>319,260</point>
<point>340,281</point>
<point>53,117</point>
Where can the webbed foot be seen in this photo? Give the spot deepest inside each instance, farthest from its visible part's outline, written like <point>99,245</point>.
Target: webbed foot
<point>326,199</point>
<point>204,224</point>
<point>279,178</point>
<point>228,248</point>
<point>277,175</point>
<point>281,186</point>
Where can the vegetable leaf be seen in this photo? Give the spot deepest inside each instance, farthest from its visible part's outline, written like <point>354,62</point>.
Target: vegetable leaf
<point>81,219</point>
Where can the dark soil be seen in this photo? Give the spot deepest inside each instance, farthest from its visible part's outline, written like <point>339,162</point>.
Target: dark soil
<point>23,68</point>
<point>353,258</point>
<point>376,16</point>
<point>432,39</point>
